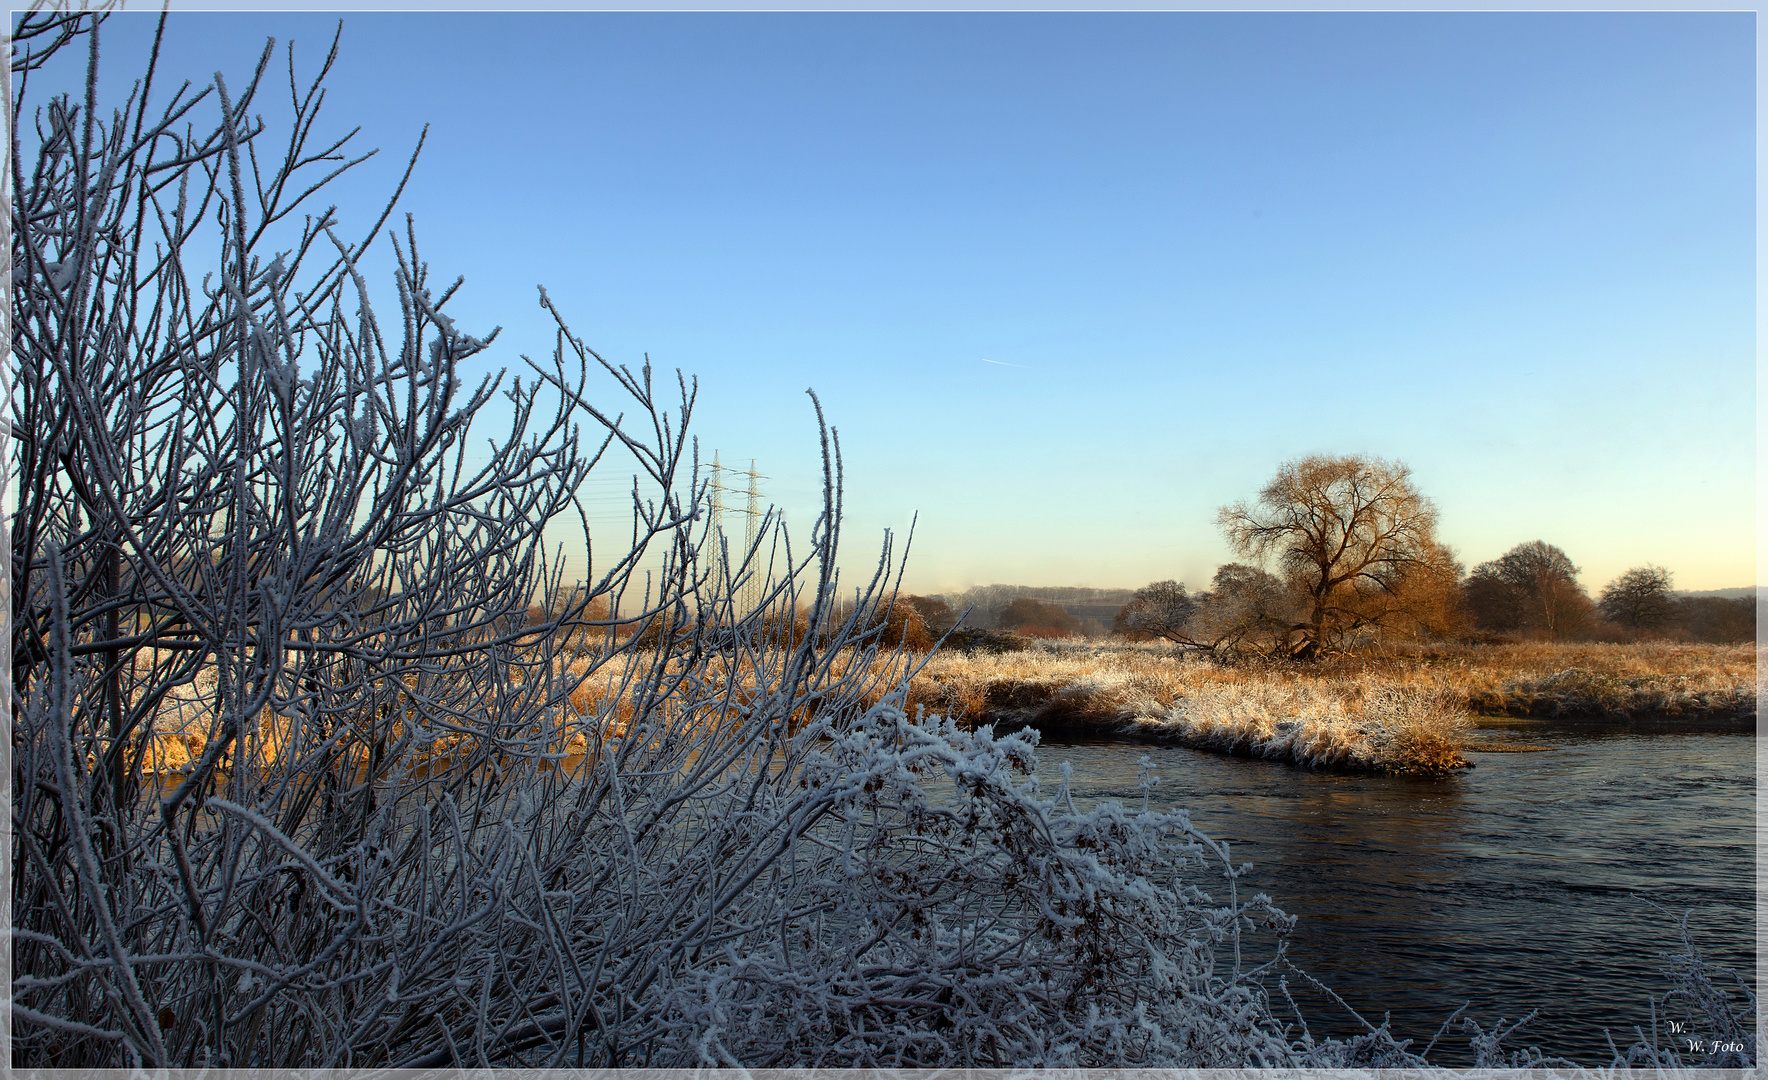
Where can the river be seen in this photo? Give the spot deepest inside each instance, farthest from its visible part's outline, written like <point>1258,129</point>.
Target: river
<point>1523,883</point>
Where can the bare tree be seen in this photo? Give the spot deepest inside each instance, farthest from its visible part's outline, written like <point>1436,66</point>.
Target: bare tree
<point>1728,620</point>
<point>936,614</point>
<point>1533,587</point>
<point>1162,609</point>
<point>1640,598</point>
<point>1348,533</point>
<point>1167,612</point>
<point>893,621</point>
<point>419,827</point>
<point>1248,610</point>
<point>1494,605</point>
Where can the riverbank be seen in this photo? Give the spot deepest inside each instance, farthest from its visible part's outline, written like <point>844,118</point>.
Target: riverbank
<point>1402,711</point>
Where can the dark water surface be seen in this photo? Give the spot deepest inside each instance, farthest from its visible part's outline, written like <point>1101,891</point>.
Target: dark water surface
<point>1511,885</point>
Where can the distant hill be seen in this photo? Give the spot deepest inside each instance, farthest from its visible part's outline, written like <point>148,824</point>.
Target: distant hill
<point>1745,592</point>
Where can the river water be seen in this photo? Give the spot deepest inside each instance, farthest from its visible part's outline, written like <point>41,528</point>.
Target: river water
<point>1523,883</point>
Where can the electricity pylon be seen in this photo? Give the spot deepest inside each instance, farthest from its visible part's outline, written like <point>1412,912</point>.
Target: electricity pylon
<point>748,597</point>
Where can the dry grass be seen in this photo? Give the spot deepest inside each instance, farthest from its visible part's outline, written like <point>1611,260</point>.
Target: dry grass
<point>601,706</point>
<point>1145,692</point>
<point>1399,711</point>
<point>1603,680</point>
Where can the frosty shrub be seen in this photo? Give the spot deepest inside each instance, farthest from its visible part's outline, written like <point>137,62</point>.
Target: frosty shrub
<point>257,517</point>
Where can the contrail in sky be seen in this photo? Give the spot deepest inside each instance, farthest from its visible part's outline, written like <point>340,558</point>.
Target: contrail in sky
<point>1002,363</point>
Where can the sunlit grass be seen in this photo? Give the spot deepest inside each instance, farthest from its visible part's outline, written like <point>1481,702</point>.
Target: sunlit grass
<point>1399,711</point>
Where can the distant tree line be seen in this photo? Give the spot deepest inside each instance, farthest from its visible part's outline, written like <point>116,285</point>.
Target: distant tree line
<point>1021,615</point>
<point>1529,593</point>
<point>1354,546</point>
<point>987,606</point>
<point>1532,591</point>
<point>1343,550</point>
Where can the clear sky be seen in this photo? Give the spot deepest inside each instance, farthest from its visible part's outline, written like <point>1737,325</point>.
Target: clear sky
<point>1066,283</point>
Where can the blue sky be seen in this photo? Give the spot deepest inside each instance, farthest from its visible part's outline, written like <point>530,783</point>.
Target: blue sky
<point>1515,251</point>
